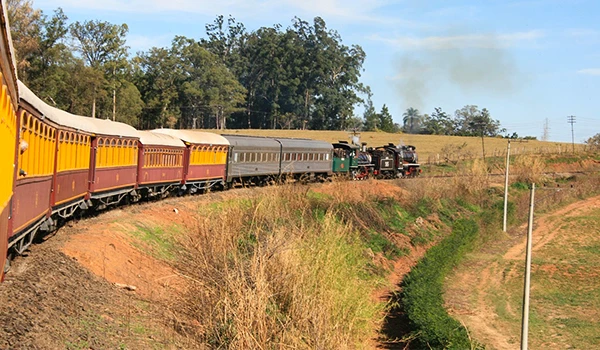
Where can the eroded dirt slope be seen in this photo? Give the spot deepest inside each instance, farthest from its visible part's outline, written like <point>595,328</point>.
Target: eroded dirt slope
<point>69,291</point>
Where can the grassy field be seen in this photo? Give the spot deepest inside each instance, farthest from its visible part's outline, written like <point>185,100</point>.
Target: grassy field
<point>430,147</point>
<point>565,289</point>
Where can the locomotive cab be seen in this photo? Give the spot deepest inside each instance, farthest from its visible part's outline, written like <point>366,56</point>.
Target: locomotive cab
<point>348,160</point>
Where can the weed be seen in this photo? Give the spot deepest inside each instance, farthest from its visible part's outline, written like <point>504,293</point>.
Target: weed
<point>379,244</point>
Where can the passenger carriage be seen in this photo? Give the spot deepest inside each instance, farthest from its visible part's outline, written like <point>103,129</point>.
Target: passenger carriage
<point>113,163</point>
<point>71,155</point>
<point>96,162</point>
<point>205,158</point>
<point>35,173</point>
<point>253,160</point>
<point>8,133</point>
<point>305,158</point>
<point>160,163</point>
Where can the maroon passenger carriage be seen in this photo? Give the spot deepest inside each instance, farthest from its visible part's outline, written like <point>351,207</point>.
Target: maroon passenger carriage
<point>71,162</point>
<point>160,164</point>
<point>113,163</point>
<point>36,164</point>
<point>205,158</point>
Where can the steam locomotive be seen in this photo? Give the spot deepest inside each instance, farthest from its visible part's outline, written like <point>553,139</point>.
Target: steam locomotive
<point>384,162</point>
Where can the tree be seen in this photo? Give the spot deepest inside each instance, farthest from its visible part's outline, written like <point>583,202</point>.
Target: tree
<point>297,77</point>
<point>102,46</point>
<point>129,104</point>
<point>439,123</point>
<point>412,120</point>
<point>207,86</point>
<point>386,121</point>
<point>25,31</point>
<point>470,121</point>
<point>594,142</point>
<point>157,74</point>
<point>225,41</point>
<point>477,122</point>
<point>370,115</point>
<point>49,66</point>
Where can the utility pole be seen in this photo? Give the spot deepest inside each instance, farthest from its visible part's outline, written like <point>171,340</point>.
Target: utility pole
<point>506,187</point>
<point>571,120</point>
<point>525,319</point>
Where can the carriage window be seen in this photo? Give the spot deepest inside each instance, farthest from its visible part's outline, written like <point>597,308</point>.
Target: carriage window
<point>327,156</point>
<point>235,157</point>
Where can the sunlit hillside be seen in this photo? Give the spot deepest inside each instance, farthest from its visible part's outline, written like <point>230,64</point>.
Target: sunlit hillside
<point>430,147</point>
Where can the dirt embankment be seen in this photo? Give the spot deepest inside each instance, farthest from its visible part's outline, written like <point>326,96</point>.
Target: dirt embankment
<point>73,290</point>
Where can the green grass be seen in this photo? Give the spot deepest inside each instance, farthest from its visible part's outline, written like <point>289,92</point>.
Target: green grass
<point>156,240</point>
<point>379,244</point>
<point>422,291</point>
<point>565,289</point>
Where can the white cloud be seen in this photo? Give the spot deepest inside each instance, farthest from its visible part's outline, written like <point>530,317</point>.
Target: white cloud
<point>483,41</point>
<point>589,71</point>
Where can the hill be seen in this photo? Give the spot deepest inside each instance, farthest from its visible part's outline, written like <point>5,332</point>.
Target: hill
<point>429,147</point>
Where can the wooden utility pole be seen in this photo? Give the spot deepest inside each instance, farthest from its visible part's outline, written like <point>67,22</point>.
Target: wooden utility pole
<point>525,319</point>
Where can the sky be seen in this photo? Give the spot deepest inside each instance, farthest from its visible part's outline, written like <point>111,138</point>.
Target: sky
<point>526,61</point>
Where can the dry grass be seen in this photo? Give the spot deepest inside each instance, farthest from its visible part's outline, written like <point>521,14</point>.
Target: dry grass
<point>431,148</point>
<point>528,169</point>
<point>277,271</point>
<point>469,180</point>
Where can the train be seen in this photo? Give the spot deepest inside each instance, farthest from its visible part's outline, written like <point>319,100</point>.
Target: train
<point>55,165</point>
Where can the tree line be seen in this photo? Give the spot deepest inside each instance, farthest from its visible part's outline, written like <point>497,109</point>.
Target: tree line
<point>298,77</point>
<point>467,121</point>
<point>301,76</point>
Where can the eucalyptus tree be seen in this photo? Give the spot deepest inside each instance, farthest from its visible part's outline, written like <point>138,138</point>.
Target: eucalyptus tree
<point>157,74</point>
<point>329,74</point>
<point>206,87</point>
<point>25,22</point>
<point>102,46</point>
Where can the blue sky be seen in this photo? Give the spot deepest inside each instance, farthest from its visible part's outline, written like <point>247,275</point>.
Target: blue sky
<point>524,60</point>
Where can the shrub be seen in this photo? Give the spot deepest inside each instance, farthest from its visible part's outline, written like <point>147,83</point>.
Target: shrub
<point>422,291</point>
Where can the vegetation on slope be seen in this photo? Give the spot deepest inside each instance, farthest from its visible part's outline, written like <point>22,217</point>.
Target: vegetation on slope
<point>422,291</point>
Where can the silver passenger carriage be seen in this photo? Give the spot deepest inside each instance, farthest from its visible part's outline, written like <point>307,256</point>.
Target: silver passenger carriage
<point>253,160</point>
<point>260,160</point>
<point>304,157</point>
